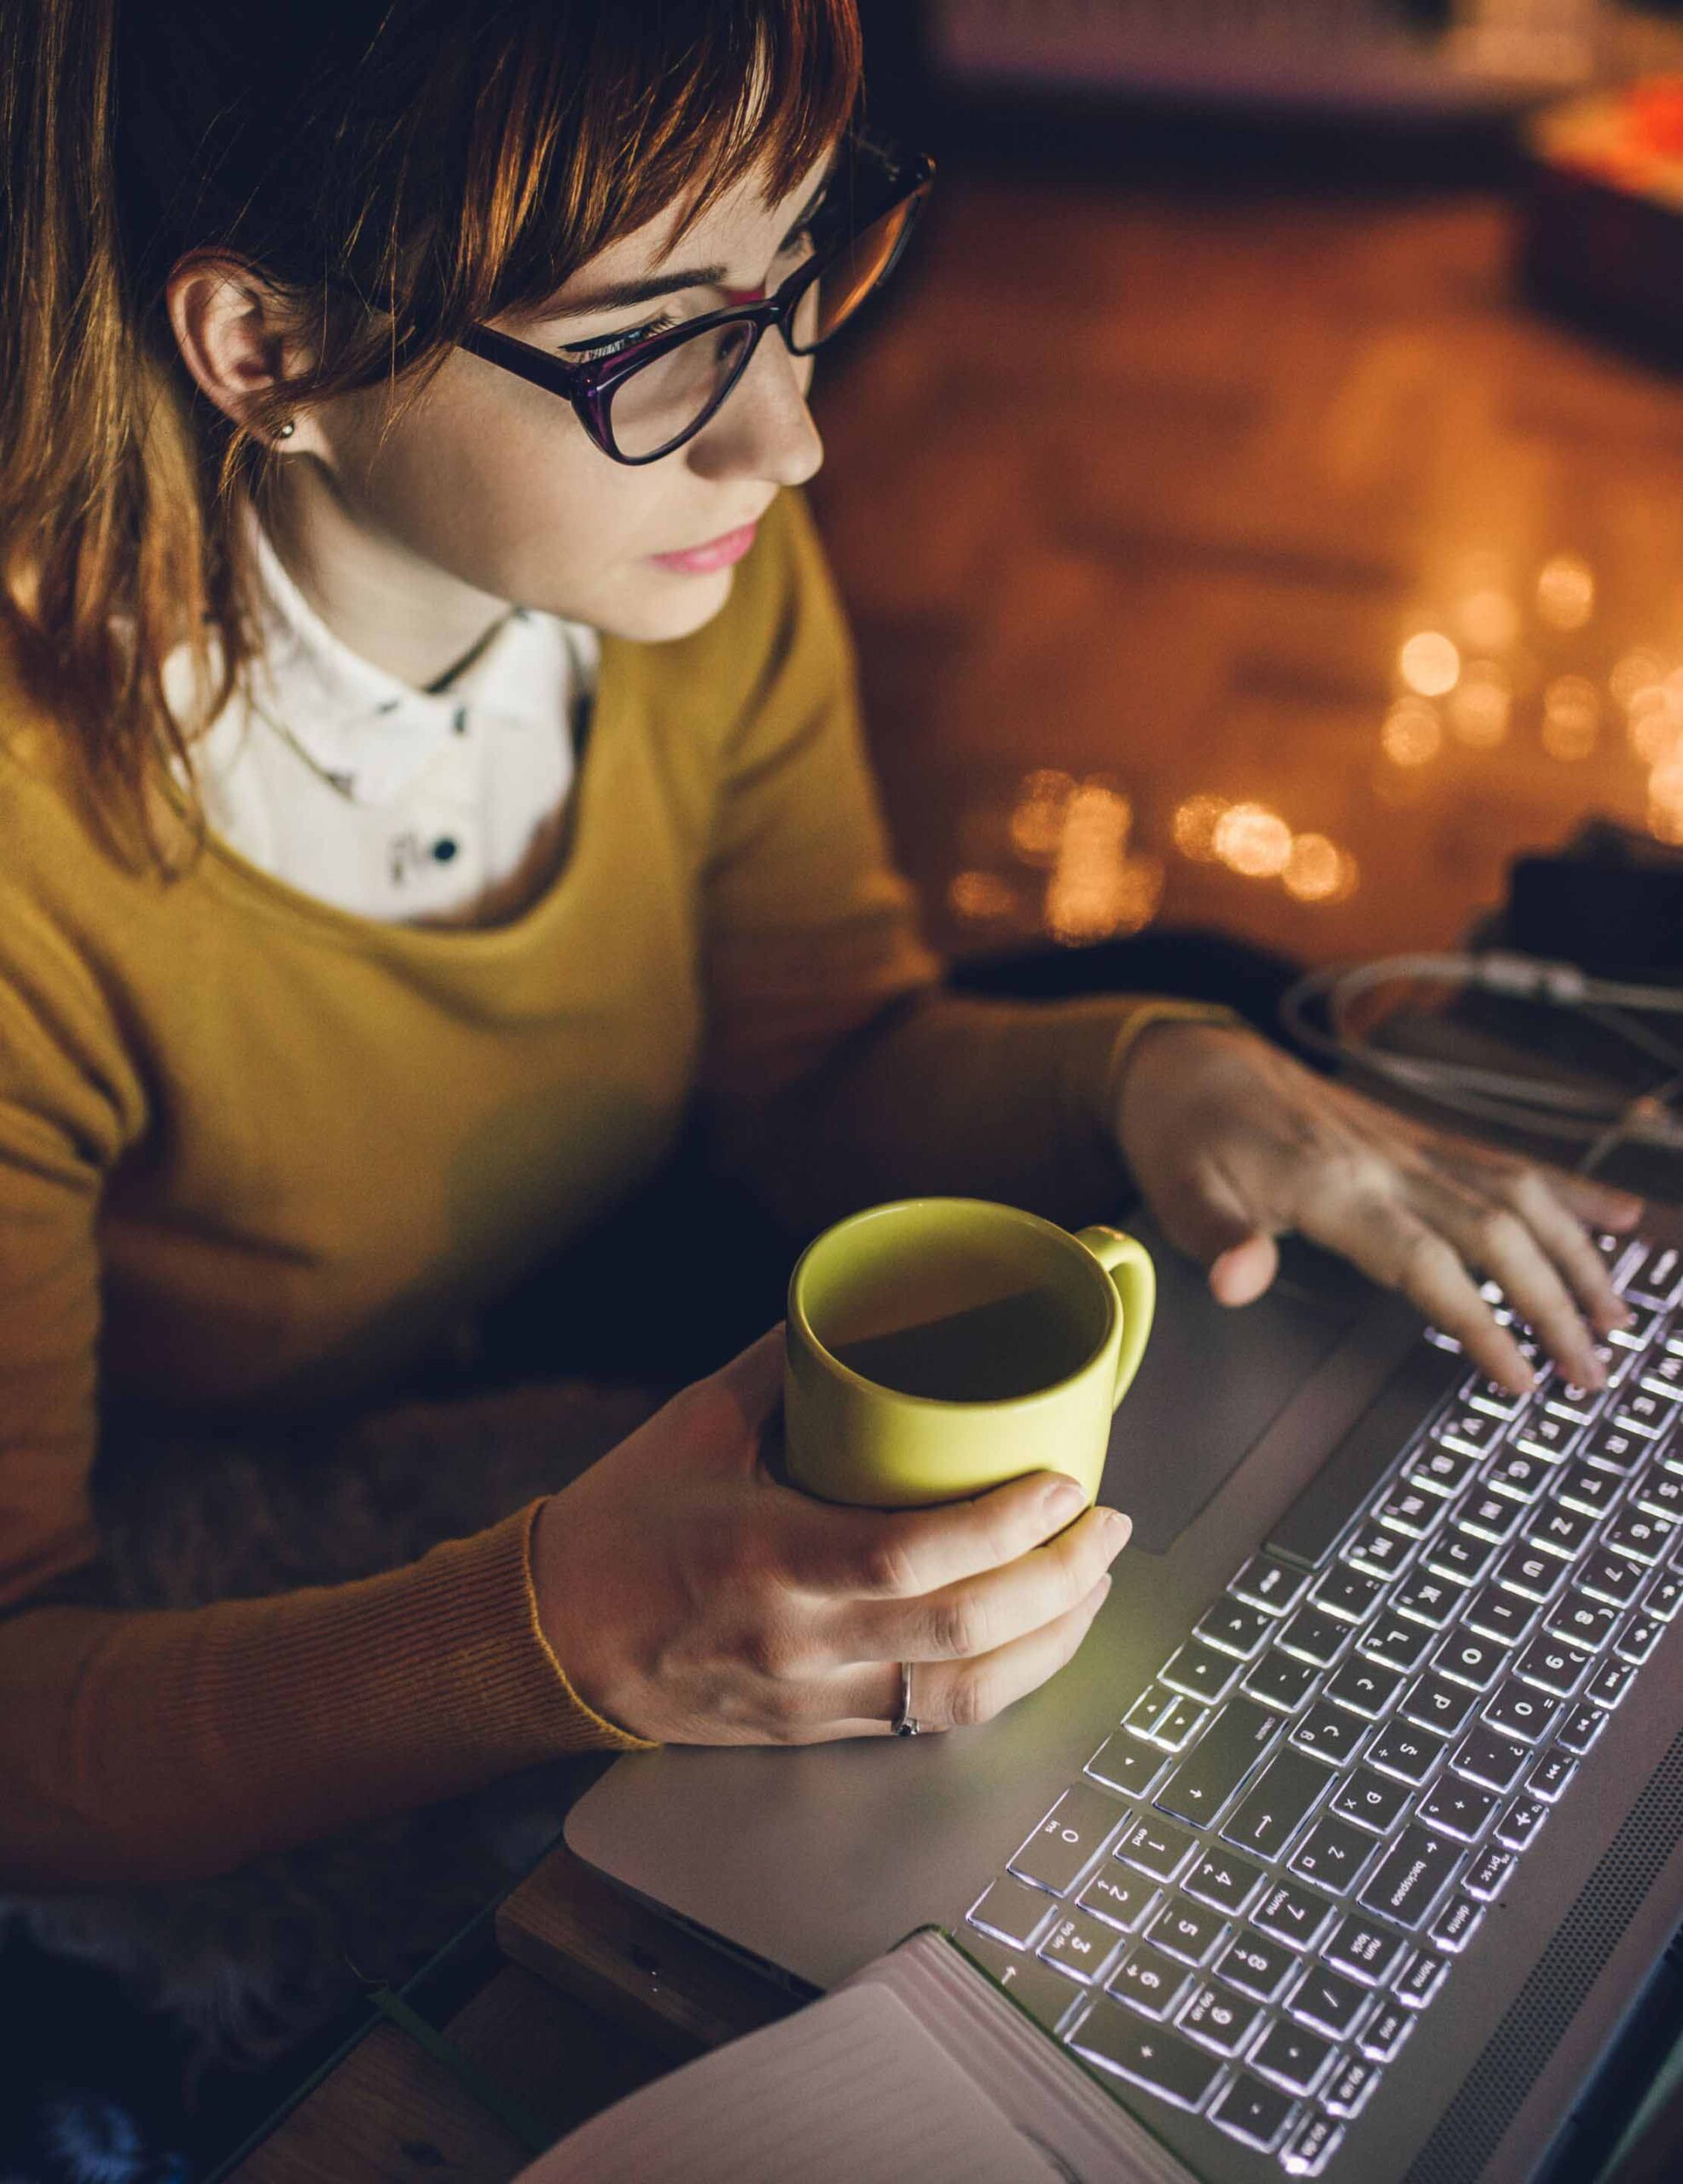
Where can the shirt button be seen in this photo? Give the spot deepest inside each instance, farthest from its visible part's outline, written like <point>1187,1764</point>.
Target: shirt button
<point>444,848</point>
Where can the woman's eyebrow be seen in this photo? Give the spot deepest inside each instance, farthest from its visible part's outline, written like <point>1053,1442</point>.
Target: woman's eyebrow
<point>619,295</point>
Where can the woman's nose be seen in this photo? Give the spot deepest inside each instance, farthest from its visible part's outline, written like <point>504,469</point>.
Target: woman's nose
<point>765,429</point>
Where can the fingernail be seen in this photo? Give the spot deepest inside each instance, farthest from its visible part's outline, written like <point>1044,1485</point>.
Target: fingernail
<point>1118,1529</point>
<point>1063,1499</point>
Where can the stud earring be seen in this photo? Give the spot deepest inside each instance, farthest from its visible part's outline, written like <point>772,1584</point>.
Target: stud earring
<point>286,430</point>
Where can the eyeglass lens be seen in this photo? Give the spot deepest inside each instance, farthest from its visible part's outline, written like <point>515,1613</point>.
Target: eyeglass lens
<point>655,406</point>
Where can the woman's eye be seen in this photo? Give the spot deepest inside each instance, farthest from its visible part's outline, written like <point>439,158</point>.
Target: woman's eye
<point>616,345</point>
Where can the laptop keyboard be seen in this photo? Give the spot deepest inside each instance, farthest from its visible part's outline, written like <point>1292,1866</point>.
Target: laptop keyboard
<point>1267,1872</point>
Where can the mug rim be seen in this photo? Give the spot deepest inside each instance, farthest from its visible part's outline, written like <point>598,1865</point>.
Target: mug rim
<point>796,1308</point>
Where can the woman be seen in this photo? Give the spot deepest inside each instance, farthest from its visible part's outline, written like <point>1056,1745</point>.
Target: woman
<point>340,985</point>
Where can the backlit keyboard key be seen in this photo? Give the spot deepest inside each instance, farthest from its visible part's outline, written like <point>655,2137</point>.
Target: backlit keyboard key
<point>1012,1911</point>
<point>1346,2092</point>
<point>1488,1874</point>
<point>1465,1658</point>
<point>1395,1642</point>
<point>1277,1680</point>
<point>1080,1946</point>
<point>1224,1881</point>
<point>1314,1635</point>
<point>1327,2002</point>
<point>1456,1924</point>
<point>1350,1594</point>
<point>1457,1808</point>
<point>1333,1854</point>
<point>1145,2054</point>
<point>1610,1578</point>
<point>1155,1847</point>
<point>1273,1587</point>
<point>1519,1710</point>
<point>1149,1982</point>
<point>1375,1801</point>
<point>1220,2020</point>
<point>1378,1551</point>
<point>1609,1683</point>
<point>1459,1555</point>
<point>1518,1826</point>
<point>1495,1762</point>
<point>1579,1730</point>
<point>1589,1488</point>
<point>1407,1752</point>
<point>1382,2037</point>
<point>1429,1600</point>
<point>1127,1766</point>
<point>1638,1538</point>
<point>1329,1734</point>
<point>1259,1966</point>
<point>1233,1626</point>
<point>1204,1781</point>
<point>1550,1776</point>
<point>1415,1986</point>
<point>1253,2113</point>
<point>1365,1688</point>
<point>1495,1612</point>
<point>1639,1639</point>
<point>1276,1805</point>
<point>1533,1576</point>
<point>1047,1995</point>
<point>1553,1667</point>
<point>1068,1839</point>
<point>1579,1621</point>
<point>1364,1951</point>
<point>1199,1672</point>
<point>1562,1532</point>
<point>1432,1701</point>
<point>1121,1898</point>
<point>1293,2056</point>
<point>1293,1915</point>
<point>1413,1877</point>
<point>1187,1931</point>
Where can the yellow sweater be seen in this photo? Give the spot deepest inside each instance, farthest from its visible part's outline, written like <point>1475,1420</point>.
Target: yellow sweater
<point>255,1154</point>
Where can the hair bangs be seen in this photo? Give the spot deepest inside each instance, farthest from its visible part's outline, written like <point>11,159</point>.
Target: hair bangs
<point>578,158</point>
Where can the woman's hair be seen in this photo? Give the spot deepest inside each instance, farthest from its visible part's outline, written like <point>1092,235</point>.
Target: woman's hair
<point>394,169</point>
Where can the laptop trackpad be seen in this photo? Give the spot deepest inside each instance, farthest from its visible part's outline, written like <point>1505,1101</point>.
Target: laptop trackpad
<point>1214,1379</point>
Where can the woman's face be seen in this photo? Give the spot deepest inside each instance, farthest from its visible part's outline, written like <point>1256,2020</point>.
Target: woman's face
<point>489,492</point>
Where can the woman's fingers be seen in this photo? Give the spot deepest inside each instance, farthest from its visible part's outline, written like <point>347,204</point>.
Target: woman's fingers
<point>902,1553</point>
<point>1388,1240</point>
<point>980,1614</point>
<point>1498,1241</point>
<point>1532,1194</point>
<point>959,1695</point>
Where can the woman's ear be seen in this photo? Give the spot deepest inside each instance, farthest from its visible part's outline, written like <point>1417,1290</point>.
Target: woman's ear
<point>237,339</point>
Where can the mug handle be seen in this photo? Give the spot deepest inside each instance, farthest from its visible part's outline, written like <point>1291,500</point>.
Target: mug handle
<point>1128,1264</point>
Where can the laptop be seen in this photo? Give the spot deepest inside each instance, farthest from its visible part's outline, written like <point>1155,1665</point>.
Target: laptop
<point>1350,1843</point>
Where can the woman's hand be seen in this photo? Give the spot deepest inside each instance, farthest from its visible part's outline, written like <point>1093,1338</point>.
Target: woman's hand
<point>692,1598</point>
<point>1233,1142</point>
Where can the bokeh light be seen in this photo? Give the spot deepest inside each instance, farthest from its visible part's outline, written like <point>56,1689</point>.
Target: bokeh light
<point>1413,734</point>
<point>1571,717</point>
<point>1482,705</point>
<point>1193,827</point>
<point>1430,664</point>
<point>981,896</point>
<point>1565,591</point>
<point>1313,869</point>
<point>1253,840</point>
<point>1041,808</point>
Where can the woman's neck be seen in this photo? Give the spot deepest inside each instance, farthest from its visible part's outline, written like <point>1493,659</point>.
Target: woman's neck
<point>395,610</point>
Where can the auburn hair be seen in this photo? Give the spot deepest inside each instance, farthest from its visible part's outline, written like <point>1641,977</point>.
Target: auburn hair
<point>395,170</point>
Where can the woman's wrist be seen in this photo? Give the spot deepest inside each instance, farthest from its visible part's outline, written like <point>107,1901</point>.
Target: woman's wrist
<point>1149,1020</point>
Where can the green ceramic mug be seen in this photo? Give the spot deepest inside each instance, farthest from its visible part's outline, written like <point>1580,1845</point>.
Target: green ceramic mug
<point>936,1347</point>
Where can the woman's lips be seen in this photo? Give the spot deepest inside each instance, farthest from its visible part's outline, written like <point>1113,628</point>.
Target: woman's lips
<point>716,554</point>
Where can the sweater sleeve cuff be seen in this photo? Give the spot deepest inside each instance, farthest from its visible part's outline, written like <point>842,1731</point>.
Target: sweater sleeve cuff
<point>1158,1008</point>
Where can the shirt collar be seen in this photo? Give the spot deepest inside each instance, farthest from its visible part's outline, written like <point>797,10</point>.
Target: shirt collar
<point>372,732</point>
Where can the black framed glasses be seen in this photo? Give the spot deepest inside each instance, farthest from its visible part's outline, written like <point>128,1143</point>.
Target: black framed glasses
<point>644,402</point>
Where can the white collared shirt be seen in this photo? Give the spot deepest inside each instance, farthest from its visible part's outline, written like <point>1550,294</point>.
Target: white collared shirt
<point>439,806</point>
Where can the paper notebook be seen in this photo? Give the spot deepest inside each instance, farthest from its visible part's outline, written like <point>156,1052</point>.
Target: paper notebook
<point>918,2066</point>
